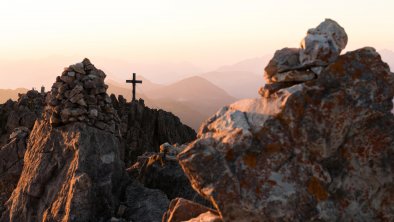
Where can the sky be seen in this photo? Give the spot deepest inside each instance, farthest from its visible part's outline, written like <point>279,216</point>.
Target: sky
<point>166,40</point>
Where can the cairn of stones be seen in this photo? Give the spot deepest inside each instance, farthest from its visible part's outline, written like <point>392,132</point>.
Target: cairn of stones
<point>290,66</point>
<point>80,95</point>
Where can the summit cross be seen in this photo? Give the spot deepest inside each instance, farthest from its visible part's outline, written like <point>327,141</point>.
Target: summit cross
<point>134,82</point>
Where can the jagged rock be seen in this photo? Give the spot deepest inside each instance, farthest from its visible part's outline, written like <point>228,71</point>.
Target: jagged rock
<point>319,151</point>
<point>70,173</point>
<point>11,163</point>
<point>323,44</point>
<point>145,129</point>
<point>185,210</point>
<point>22,113</point>
<point>145,205</point>
<point>291,66</point>
<point>284,60</point>
<point>162,171</point>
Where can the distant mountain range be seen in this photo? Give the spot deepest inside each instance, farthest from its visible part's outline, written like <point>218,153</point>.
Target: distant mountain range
<point>193,99</point>
<point>6,94</point>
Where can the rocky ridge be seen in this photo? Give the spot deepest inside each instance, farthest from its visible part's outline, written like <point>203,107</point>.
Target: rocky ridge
<point>71,167</point>
<point>313,149</point>
<point>21,113</point>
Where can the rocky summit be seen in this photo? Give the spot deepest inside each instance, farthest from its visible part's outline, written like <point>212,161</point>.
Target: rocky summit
<point>64,153</point>
<point>318,145</point>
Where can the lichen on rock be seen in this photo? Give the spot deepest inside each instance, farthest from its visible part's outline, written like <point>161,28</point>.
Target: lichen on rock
<point>315,150</point>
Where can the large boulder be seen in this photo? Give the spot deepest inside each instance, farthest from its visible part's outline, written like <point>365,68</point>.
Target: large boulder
<point>321,150</point>
<point>323,44</point>
<point>289,66</point>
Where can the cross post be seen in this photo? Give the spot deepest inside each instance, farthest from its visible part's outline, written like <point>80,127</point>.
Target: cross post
<point>134,82</point>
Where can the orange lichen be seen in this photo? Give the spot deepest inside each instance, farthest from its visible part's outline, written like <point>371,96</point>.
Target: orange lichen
<point>317,190</point>
<point>230,155</point>
<point>250,159</point>
<point>273,148</point>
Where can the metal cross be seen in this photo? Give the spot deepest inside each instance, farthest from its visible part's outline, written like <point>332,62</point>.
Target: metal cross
<point>134,81</point>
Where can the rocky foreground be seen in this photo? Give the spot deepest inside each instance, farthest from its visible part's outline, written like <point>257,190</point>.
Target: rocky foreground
<point>64,153</point>
<point>317,146</point>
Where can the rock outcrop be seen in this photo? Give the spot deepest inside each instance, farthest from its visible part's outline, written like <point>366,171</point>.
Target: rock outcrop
<point>320,149</point>
<point>162,171</point>
<point>290,66</point>
<point>144,129</point>
<point>70,167</point>
<point>71,173</point>
<point>11,163</point>
<point>22,113</point>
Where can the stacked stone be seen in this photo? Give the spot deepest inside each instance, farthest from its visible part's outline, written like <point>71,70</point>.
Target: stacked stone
<point>289,66</point>
<point>79,95</point>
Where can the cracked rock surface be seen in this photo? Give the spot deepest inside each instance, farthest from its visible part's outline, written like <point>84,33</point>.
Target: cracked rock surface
<point>321,150</point>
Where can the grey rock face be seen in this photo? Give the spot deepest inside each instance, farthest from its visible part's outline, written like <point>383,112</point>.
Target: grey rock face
<point>145,129</point>
<point>290,66</point>
<point>317,151</point>
<point>11,163</point>
<point>144,204</point>
<point>323,44</point>
<point>21,113</point>
<point>70,173</point>
<point>162,171</point>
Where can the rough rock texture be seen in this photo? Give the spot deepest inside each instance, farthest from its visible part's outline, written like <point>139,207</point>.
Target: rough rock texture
<point>323,44</point>
<point>11,163</point>
<point>70,174</point>
<point>79,95</point>
<point>72,162</point>
<point>185,210</point>
<point>289,66</point>
<point>321,150</point>
<point>144,204</point>
<point>22,113</point>
<point>144,129</point>
<point>73,168</point>
<point>162,171</point>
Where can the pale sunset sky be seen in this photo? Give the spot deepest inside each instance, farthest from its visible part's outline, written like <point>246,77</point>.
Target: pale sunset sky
<point>158,39</point>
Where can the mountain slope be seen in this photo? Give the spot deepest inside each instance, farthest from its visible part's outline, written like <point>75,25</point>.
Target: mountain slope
<point>196,92</point>
<point>193,99</point>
